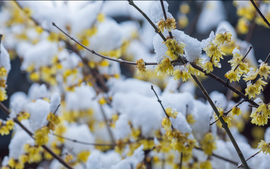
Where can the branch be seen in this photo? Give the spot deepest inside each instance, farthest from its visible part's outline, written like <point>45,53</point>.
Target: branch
<point>161,105</point>
<point>5,109</point>
<point>260,13</point>
<point>95,53</point>
<point>250,158</point>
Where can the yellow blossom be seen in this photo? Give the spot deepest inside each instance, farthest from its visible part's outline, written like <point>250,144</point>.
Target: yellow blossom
<point>190,119</point>
<point>141,166</point>
<point>41,136</point>
<point>236,111</point>
<point>213,51</point>
<point>264,147</point>
<point>23,116</point>
<point>178,74</point>
<point>208,143</point>
<point>184,8</point>
<point>170,24</point>
<point>172,113</point>
<point>208,67</point>
<point>206,165</point>
<point>223,38</point>
<point>102,101</point>
<point>174,48</point>
<point>264,70</point>
<point>161,26</point>
<point>232,76</point>
<point>28,12</point>
<point>16,164</point>
<point>54,120</point>
<point>3,72</point>
<point>252,91</point>
<point>165,66</point>
<point>53,37</point>
<point>3,95</point>
<point>260,115</point>
<point>4,130</point>
<point>120,145</point>
<point>182,21</point>
<point>10,124</point>
<point>140,65</point>
<point>68,158</point>
<point>166,123</point>
<point>100,17</point>
<point>242,25</point>
<point>251,75</point>
<point>83,156</point>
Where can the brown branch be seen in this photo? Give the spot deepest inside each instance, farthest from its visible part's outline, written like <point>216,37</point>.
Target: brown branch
<point>82,142</point>
<point>95,53</point>
<point>5,109</point>
<point>250,158</point>
<point>161,105</point>
<point>260,13</point>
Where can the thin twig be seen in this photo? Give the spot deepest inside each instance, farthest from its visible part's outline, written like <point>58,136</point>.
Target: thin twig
<point>107,125</point>
<point>95,53</point>
<point>260,13</point>
<point>161,105</point>
<point>5,109</point>
<point>82,142</point>
<point>181,160</point>
<point>250,158</point>
<point>165,16</point>
<point>266,60</point>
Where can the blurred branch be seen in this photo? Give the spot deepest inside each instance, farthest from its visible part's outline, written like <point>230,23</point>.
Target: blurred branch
<point>260,13</point>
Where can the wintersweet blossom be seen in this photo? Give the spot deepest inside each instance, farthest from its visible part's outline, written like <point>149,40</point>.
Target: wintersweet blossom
<point>140,65</point>
<point>181,74</point>
<point>206,165</point>
<point>208,67</point>
<point>222,38</point>
<point>264,147</point>
<point>174,48</point>
<point>233,76</point>
<point>208,143</point>
<point>264,70</point>
<point>166,123</point>
<point>260,115</point>
<point>236,111</point>
<point>165,66</point>
<point>213,51</point>
<point>172,113</point>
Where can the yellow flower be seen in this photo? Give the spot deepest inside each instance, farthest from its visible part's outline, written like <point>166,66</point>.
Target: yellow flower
<point>177,74</point>
<point>172,113</point>
<point>190,119</point>
<point>260,83</point>
<point>54,120</point>
<point>244,68</point>
<point>233,76</point>
<point>41,136</point>
<point>4,130</point>
<point>264,147</point>
<point>170,24</point>
<point>208,67</point>
<point>206,165</point>
<point>120,145</point>
<point>165,66</point>
<point>213,51</point>
<point>83,156</point>
<point>141,166</point>
<point>28,12</point>
<point>264,70</point>
<point>102,101</point>
<point>252,91</point>
<point>177,145</point>
<point>3,72</point>
<point>161,26</point>
<point>3,95</point>
<point>53,37</point>
<point>184,8</point>
<point>242,25</point>
<point>100,17</point>
<point>68,158</point>
<point>23,116</point>
<point>208,143</point>
<point>10,124</point>
<point>223,38</point>
<point>166,123</point>
<point>260,115</point>
<point>140,65</point>
<point>174,48</point>
<point>236,111</point>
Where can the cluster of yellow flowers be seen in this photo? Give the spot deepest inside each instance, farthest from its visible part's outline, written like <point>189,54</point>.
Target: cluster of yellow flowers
<point>3,77</point>
<point>169,24</point>
<point>208,143</point>
<point>6,126</point>
<point>214,52</point>
<point>260,115</point>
